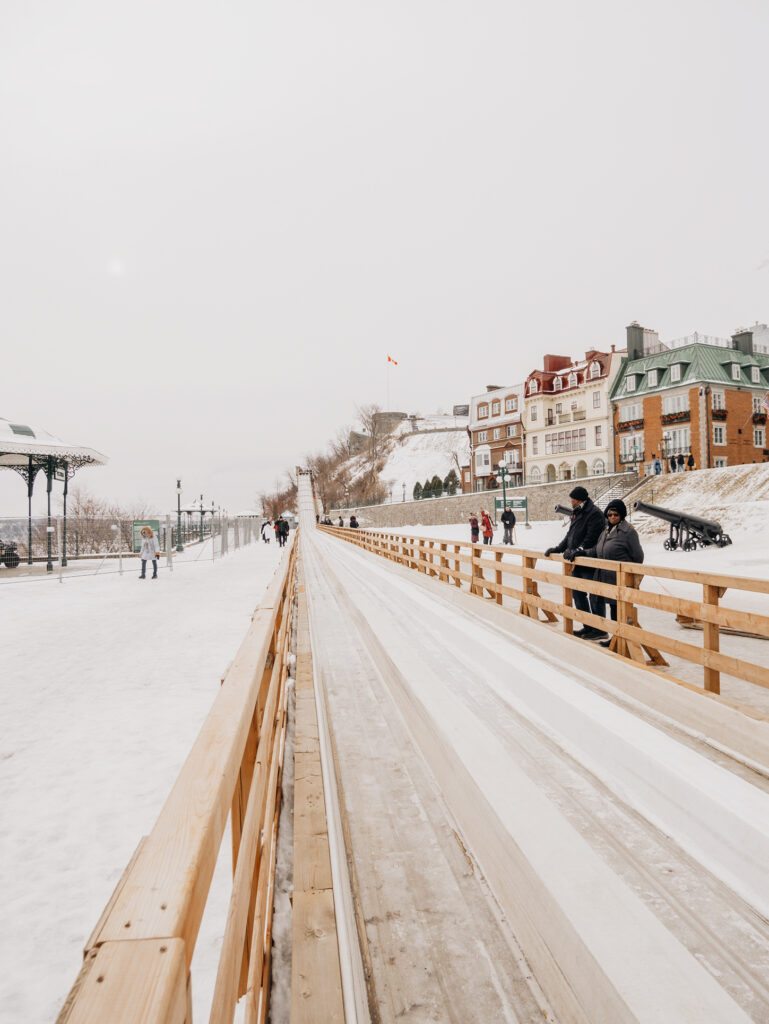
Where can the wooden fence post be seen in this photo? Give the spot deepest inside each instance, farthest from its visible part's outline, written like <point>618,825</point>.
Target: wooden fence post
<point>711,638</point>
<point>498,577</point>
<point>568,598</point>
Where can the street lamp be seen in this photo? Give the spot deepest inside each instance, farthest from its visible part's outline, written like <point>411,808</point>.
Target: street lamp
<point>503,472</point>
<point>404,490</point>
<point>179,547</point>
<point>201,518</point>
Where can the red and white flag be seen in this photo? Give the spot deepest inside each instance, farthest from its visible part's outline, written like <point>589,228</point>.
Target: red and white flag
<point>765,403</point>
<point>391,360</point>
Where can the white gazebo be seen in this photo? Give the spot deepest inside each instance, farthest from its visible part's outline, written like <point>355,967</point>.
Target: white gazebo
<point>30,450</point>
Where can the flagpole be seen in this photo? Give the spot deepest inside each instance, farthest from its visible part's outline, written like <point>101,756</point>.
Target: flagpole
<point>387,407</point>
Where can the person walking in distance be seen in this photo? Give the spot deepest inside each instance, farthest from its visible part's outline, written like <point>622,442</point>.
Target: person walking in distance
<point>353,523</point>
<point>585,528</point>
<point>341,521</point>
<point>473,528</point>
<point>672,464</point>
<point>281,528</point>
<point>508,521</point>
<point>680,462</point>
<point>690,463</point>
<point>618,543</point>
<point>488,528</point>
<point>657,467</point>
<point>266,531</point>
<point>149,550</point>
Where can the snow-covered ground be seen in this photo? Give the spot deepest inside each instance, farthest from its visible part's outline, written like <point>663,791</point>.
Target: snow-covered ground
<point>106,682</point>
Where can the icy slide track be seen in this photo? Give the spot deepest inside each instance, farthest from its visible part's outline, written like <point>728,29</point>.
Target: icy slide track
<point>627,858</point>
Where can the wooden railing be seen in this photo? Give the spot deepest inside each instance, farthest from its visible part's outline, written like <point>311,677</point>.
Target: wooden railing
<point>485,570</point>
<point>137,961</point>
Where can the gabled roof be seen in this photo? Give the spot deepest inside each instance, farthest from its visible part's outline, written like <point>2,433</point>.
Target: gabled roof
<point>707,364</point>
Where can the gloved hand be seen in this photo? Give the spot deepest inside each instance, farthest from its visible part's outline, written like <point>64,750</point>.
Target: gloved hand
<point>548,552</point>
<point>568,555</point>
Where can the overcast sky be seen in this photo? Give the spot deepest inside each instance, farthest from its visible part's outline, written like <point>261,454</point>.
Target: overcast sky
<point>219,219</point>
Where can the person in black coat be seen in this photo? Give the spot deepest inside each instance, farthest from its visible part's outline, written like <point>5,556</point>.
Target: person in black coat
<point>690,462</point>
<point>353,523</point>
<point>508,521</point>
<point>680,462</point>
<point>618,543</point>
<point>281,529</point>
<point>587,523</point>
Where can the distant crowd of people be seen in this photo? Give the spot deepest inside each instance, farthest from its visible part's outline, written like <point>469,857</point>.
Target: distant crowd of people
<point>279,529</point>
<point>678,463</point>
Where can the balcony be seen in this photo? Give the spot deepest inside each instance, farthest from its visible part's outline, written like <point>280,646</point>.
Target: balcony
<point>565,418</point>
<point>759,418</point>
<point>630,425</point>
<point>629,458</point>
<point>683,416</point>
<point>718,414</point>
<point>578,414</point>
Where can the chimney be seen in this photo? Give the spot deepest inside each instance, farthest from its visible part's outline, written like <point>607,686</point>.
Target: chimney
<point>635,341</point>
<point>552,364</point>
<point>742,340</point>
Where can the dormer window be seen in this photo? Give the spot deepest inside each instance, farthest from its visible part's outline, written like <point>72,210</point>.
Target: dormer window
<point>483,411</point>
<point>572,380</point>
<point>595,369</point>
<point>557,384</point>
<point>675,372</point>
<point>495,407</point>
<point>533,387</point>
<point>736,372</point>
<point>652,378</point>
<point>511,404</point>
<point>630,382</point>
<point>755,374</point>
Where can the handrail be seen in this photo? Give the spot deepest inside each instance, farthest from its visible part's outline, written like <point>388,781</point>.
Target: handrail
<point>138,958</point>
<point>447,560</point>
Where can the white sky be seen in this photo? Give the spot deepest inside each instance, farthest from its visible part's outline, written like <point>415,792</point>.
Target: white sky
<point>218,219</point>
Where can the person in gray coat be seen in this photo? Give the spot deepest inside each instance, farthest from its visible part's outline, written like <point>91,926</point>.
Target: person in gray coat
<point>618,543</point>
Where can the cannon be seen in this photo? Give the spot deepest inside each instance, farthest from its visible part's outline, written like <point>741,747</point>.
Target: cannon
<point>686,530</point>
<point>9,554</point>
<point>561,510</point>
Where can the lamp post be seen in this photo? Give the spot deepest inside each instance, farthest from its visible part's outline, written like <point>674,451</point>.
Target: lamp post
<point>179,547</point>
<point>347,499</point>
<point>201,518</point>
<point>404,490</point>
<point>502,472</point>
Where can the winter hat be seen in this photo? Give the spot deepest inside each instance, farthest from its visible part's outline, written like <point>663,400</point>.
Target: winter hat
<point>579,494</point>
<point>616,506</point>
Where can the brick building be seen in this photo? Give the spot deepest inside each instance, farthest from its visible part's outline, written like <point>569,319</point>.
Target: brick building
<point>567,417</point>
<point>496,438</point>
<point>700,395</point>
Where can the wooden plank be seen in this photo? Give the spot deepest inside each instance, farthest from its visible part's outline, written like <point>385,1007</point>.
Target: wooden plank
<point>143,982</point>
<point>316,982</point>
<point>711,640</point>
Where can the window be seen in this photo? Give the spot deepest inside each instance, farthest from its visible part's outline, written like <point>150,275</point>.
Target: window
<point>574,406</point>
<point>483,411</point>
<point>479,485</point>
<point>511,430</point>
<point>652,378</point>
<point>535,445</point>
<point>566,441</point>
<point>755,374</point>
<point>482,460</point>
<point>627,413</point>
<point>675,372</point>
<point>720,462</point>
<point>495,408</point>
<point>557,384</point>
<point>511,404</point>
<point>719,433</point>
<point>483,435</point>
<point>736,372</point>
<point>595,369</point>
<point>756,404</point>
<point>596,399</point>
<point>533,414</point>
<point>630,382</point>
<point>466,475</point>
<point>717,399</point>
<point>677,439</point>
<point>558,408</point>
<point>758,437</point>
<point>632,447</point>
<point>598,437</point>
<point>572,380</point>
<point>599,467</point>
<point>675,403</point>
<point>533,387</point>
<point>535,476</point>
<point>497,433</point>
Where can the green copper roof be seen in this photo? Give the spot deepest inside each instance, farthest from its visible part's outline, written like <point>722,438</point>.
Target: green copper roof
<point>699,363</point>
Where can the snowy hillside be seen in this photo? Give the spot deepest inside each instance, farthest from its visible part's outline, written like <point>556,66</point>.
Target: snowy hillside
<point>414,457</point>
<point>736,496</point>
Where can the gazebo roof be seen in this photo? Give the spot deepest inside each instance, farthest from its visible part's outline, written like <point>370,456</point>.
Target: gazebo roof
<point>18,442</point>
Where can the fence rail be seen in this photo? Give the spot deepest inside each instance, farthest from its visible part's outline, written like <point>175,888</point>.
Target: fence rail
<point>482,570</point>
<point>137,961</point>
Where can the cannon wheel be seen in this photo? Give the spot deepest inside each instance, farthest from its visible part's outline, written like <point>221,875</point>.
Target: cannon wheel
<point>670,544</point>
<point>725,539</point>
<point>690,544</point>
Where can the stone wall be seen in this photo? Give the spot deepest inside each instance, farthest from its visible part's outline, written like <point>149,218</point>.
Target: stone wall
<point>436,511</point>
